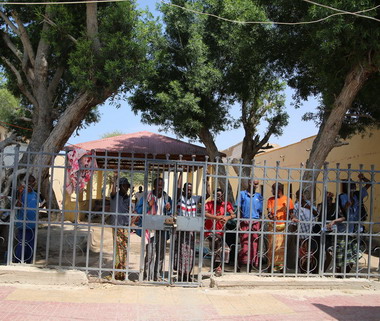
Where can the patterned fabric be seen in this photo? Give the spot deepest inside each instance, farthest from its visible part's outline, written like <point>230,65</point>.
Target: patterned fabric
<point>306,224</point>
<point>120,204</point>
<point>79,162</point>
<point>341,252</point>
<point>184,254</point>
<point>188,206</point>
<point>158,207</point>
<point>121,252</point>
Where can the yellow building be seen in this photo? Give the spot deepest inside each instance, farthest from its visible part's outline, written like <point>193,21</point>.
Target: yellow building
<point>361,154</point>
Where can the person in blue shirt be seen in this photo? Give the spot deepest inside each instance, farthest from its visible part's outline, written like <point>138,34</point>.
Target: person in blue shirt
<point>28,202</point>
<point>250,204</point>
<point>349,221</point>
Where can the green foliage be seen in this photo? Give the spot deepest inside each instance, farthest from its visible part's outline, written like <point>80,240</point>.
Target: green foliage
<point>112,134</point>
<point>124,35</point>
<point>11,112</point>
<point>315,58</point>
<point>202,66</point>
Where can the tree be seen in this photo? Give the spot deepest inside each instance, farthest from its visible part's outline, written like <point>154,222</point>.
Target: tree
<point>337,59</point>
<point>112,134</point>
<point>202,67</point>
<point>64,60</point>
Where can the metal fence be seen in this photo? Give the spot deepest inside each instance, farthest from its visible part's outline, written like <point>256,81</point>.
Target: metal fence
<point>192,220</point>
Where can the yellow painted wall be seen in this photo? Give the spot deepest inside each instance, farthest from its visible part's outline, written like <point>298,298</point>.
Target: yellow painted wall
<point>361,150</point>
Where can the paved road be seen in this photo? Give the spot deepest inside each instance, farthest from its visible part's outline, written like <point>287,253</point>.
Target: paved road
<point>120,302</point>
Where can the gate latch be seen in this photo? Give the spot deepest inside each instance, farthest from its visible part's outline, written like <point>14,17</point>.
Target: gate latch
<point>171,221</point>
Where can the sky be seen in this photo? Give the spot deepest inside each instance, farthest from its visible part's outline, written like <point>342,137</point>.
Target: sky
<point>123,120</point>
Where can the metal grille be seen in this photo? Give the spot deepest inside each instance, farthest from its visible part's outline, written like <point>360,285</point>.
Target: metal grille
<point>160,234</point>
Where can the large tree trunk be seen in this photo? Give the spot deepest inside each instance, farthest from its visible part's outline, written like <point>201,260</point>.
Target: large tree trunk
<point>328,132</point>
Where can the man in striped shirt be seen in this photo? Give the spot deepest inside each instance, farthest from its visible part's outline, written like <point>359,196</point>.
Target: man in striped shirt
<point>185,240</point>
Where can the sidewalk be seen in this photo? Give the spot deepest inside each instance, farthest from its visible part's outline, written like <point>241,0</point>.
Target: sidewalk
<point>125,302</point>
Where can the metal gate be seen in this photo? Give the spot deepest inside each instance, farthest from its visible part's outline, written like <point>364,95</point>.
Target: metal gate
<point>171,228</point>
<point>169,244</point>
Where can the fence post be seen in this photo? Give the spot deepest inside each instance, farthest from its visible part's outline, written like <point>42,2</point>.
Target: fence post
<point>13,204</point>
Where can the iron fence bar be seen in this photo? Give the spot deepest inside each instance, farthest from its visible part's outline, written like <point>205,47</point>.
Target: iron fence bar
<point>89,214</point>
<point>287,223</point>
<point>13,205</point>
<point>103,220</point>
<point>362,268</point>
<point>371,211</point>
<point>48,210</point>
<point>64,195</point>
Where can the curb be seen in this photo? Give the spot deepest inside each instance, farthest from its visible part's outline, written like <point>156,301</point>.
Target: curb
<point>255,282</point>
<point>41,276</point>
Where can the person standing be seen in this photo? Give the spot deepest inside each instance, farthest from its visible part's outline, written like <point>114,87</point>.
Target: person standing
<point>120,203</point>
<point>217,213</point>
<point>278,206</point>
<point>184,240</point>
<point>158,203</point>
<point>305,216</point>
<point>139,194</point>
<point>28,201</point>
<point>350,204</point>
<point>251,207</point>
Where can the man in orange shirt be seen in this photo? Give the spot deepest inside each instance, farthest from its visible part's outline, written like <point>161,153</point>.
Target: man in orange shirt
<point>278,208</point>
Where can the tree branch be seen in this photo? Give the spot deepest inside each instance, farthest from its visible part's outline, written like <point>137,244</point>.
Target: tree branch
<point>20,82</point>
<point>53,24</point>
<point>10,23</point>
<point>92,25</point>
<point>11,46</point>
<point>55,81</point>
<point>41,68</point>
<point>12,139</point>
<point>28,49</point>
<point>25,119</point>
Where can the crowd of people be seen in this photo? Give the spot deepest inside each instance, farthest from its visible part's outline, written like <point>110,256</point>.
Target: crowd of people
<point>287,225</point>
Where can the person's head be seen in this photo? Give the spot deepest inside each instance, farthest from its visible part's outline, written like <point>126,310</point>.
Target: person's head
<point>219,195</point>
<point>140,188</point>
<point>298,195</point>
<point>348,185</point>
<point>329,197</point>
<point>31,183</point>
<point>124,185</point>
<point>280,189</point>
<point>302,197</point>
<point>253,183</point>
<point>158,186</point>
<point>187,190</point>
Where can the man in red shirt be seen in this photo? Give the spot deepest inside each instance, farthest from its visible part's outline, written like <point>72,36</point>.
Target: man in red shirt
<point>217,213</point>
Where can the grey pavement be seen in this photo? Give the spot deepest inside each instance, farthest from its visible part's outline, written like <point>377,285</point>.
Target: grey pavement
<point>39,295</point>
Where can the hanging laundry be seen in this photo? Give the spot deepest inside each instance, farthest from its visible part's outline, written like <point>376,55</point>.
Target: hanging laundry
<point>79,161</point>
